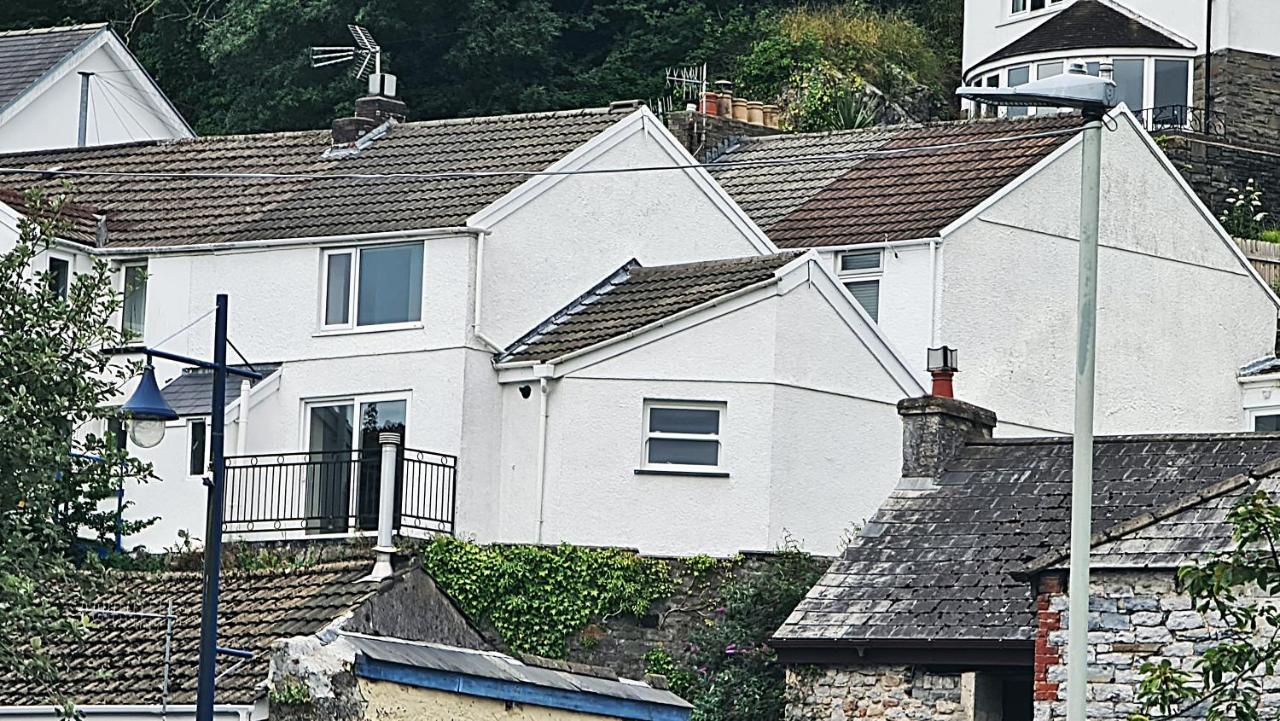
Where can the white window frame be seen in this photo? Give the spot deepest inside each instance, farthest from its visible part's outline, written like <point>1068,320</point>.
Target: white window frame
<point>1026,11</point>
<point>720,407</point>
<point>862,275</point>
<point>208,446</point>
<point>355,401</point>
<point>70,260</point>
<point>124,289</point>
<point>353,291</point>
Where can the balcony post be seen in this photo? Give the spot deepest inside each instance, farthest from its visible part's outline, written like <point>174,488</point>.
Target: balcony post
<point>390,443</point>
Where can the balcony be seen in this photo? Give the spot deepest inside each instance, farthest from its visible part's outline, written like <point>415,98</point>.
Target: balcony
<point>1183,117</point>
<point>288,496</point>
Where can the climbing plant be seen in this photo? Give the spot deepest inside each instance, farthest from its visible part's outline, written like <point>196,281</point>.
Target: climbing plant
<point>537,597</point>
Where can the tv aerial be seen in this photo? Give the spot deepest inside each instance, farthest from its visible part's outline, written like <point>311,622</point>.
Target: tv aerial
<point>366,50</point>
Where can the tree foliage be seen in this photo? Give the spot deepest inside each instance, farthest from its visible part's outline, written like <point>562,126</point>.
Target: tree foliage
<point>235,66</point>
<point>1238,590</point>
<point>56,465</point>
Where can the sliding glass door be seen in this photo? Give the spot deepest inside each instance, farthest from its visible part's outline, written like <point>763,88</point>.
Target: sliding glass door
<point>343,438</point>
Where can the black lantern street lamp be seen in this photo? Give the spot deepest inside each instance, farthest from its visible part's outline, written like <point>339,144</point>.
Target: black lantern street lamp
<point>147,412</point>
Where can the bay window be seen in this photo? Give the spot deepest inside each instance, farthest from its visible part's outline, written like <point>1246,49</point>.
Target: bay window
<point>374,286</point>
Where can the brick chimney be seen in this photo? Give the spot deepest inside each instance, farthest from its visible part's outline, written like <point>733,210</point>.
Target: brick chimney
<point>374,109</point>
<point>934,429</point>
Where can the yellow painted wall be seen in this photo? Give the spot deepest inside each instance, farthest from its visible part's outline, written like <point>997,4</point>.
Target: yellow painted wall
<point>396,702</point>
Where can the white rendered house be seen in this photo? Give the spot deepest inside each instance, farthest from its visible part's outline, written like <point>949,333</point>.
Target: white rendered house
<point>78,85</point>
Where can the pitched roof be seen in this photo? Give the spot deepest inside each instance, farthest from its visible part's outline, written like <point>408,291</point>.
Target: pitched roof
<point>635,296</point>
<point>121,660</point>
<point>1089,24</point>
<point>149,212</point>
<point>191,392</point>
<point>26,55</point>
<point>949,563</point>
<point>927,177</point>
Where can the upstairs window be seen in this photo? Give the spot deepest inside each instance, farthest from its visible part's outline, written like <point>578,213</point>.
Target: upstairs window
<point>134,315</point>
<point>860,273</point>
<point>198,447</point>
<point>1022,6</point>
<point>1018,76</point>
<point>682,435</point>
<point>59,275</point>
<point>380,285</point>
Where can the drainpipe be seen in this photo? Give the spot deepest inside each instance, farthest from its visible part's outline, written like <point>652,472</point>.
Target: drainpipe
<point>933,292</point>
<point>390,442</point>
<point>83,129</point>
<point>1208,62</point>
<point>242,419</point>
<point>478,285</point>
<point>543,372</point>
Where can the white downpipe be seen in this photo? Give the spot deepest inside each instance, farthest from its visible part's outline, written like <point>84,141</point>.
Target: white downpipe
<point>242,419</point>
<point>544,414</point>
<point>478,284</point>
<point>1082,445</point>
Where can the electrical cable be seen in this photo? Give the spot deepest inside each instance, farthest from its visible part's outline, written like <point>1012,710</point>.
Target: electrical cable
<point>184,329</point>
<point>479,174</point>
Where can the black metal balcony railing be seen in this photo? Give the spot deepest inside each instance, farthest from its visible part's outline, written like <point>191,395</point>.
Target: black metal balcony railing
<point>1183,117</point>
<point>336,493</point>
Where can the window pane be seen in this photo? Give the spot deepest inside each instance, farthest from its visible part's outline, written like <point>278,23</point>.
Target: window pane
<point>59,275</point>
<point>135,299</point>
<point>1093,68</point>
<point>1048,70</point>
<point>1171,91</point>
<point>337,294</point>
<point>868,294</point>
<point>1037,4</point>
<point>691,453</point>
<point>1018,76</point>
<point>1127,72</point>
<point>684,420</point>
<point>196,463</point>
<point>862,260</point>
<point>1018,6</point>
<point>1268,424</point>
<point>390,285</point>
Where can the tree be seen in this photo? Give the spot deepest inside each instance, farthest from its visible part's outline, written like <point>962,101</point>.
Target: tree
<point>56,463</point>
<point>1240,587</point>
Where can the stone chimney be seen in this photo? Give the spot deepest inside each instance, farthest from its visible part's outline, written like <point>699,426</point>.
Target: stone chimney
<point>374,109</point>
<point>934,430</point>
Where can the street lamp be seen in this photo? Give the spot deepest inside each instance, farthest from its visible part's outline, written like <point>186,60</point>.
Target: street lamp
<point>1093,97</point>
<point>147,412</point>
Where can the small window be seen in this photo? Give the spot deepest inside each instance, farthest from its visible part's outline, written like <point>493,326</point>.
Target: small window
<point>1266,424</point>
<point>1018,76</point>
<point>860,273</point>
<point>1128,74</point>
<point>374,286</point>
<point>59,275</point>
<point>1048,70</point>
<point>198,447</point>
<point>134,314</point>
<point>682,434</point>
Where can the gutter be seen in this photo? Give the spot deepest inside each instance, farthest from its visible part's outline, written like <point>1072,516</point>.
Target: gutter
<point>134,251</point>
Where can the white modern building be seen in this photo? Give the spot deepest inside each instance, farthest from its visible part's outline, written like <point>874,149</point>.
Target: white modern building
<point>1155,47</point>
<point>78,85</point>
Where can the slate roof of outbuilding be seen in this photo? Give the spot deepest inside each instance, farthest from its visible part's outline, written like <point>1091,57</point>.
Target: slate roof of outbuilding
<point>26,55</point>
<point>925,177</point>
<point>949,564</point>
<point>1089,24</point>
<point>121,660</point>
<point>191,392</point>
<point>190,210</point>
<point>635,296</point>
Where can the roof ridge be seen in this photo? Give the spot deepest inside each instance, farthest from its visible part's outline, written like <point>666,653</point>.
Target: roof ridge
<point>1129,438</point>
<point>610,282</point>
<point>1119,530</point>
<point>896,128</point>
<point>54,29</point>
<point>781,258</point>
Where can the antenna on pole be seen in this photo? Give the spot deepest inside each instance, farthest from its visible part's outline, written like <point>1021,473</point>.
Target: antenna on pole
<point>366,50</point>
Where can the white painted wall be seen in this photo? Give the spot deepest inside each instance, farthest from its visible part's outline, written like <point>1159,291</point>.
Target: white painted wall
<point>1178,311</point>
<point>124,106</point>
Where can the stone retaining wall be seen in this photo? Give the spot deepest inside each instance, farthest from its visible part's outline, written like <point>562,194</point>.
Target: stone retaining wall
<point>1212,166</point>
<point>908,693</point>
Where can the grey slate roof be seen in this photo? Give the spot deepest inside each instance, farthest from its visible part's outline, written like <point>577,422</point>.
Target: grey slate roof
<point>635,296</point>
<point>926,177</point>
<point>26,55</point>
<point>192,210</point>
<point>949,564</point>
<point>1088,24</point>
<point>190,393</point>
<point>500,667</point>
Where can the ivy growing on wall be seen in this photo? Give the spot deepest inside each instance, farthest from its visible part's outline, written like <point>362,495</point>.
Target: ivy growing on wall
<point>537,597</point>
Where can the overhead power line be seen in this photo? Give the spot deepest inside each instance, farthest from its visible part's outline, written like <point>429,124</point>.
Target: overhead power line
<point>478,174</point>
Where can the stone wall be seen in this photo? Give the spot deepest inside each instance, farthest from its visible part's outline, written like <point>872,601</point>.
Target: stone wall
<point>706,136</point>
<point>1212,166</point>
<point>1134,617</point>
<point>909,693</point>
<point>1246,90</point>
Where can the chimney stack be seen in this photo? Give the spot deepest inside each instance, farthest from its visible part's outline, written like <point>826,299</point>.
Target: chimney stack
<point>374,109</point>
<point>934,429</point>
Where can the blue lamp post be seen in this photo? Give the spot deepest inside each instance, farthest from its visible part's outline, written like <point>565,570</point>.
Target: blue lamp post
<point>147,411</point>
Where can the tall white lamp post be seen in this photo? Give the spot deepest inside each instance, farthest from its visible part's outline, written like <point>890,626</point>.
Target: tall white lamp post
<point>1093,97</point>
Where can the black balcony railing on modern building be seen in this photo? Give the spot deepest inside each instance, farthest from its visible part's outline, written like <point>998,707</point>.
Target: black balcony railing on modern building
<point>294,495</point>
<point>1183,117</point>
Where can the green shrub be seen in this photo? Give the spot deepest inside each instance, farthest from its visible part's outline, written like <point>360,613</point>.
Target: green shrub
<point>1244,217</point>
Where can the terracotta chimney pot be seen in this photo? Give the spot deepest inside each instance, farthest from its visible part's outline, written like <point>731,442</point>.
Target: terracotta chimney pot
<point>771,116</point>
<point>740,109</point>
<point>724,104</point>
<point>755,112</point>
<point>710,103</point>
